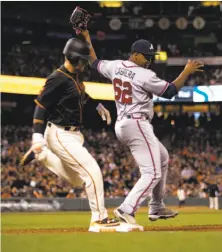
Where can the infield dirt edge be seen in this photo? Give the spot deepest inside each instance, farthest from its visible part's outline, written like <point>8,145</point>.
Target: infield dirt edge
<point>194,228</point>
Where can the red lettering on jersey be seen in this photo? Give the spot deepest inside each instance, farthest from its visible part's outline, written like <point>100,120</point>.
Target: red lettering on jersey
<point>125,95</point>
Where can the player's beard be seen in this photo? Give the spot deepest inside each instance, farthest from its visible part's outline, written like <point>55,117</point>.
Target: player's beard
<point>149,60</point>
<point>147,64</point>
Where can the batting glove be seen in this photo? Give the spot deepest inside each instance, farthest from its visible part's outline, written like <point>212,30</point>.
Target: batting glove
<point>38,142</point>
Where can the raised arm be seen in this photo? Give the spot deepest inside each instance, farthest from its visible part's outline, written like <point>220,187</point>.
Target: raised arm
<point>167,90</point>
<point>86,36</point>
<point>192,66</point>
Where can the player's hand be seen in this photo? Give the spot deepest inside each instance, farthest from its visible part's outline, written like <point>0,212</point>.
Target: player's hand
<point>38,142</point>
<point>193,66</point>
<point>104,113</point>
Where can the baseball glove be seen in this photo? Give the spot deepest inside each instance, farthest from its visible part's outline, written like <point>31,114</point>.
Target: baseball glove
<point>79,19</point>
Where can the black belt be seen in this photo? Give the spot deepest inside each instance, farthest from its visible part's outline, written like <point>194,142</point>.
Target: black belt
<point>67,128</point>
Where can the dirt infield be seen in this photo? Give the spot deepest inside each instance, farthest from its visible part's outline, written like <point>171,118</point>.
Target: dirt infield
<point>195,228</point>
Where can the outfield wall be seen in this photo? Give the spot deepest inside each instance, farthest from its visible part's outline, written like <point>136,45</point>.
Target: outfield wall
<point>63,204</point>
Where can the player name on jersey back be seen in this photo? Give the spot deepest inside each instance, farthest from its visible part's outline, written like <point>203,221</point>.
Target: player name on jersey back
<point>125,72</point>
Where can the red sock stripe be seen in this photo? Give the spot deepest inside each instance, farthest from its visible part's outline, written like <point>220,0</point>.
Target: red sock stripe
<point>134,208</point>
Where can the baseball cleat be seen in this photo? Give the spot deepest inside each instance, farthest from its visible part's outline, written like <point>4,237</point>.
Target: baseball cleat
<point>128,218</point>
<point>28,157</point>
<point>107,222</point>
<point>163,213</point>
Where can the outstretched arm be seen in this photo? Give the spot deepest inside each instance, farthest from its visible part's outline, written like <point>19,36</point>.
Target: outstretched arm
<point>103,112</point>
<point>192,66</point>
<point>86,36</point>
<point>101,66</point>
<point>167,90</point>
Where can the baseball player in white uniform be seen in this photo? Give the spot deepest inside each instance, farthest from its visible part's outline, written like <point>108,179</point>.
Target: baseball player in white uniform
<point>61,149</point>
<point>134,85</point>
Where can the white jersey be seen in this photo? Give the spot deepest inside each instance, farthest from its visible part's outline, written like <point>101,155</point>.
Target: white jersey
<point>134,86</point>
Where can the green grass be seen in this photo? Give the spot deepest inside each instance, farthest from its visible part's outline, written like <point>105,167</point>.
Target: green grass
<point>175,241</point>
<point>155,242</point>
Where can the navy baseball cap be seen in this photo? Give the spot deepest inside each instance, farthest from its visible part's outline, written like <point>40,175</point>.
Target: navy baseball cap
<point>144,47</point>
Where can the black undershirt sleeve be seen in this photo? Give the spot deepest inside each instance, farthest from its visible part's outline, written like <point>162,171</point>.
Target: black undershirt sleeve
<point>39,120</point>
<point>170,92</point>
<point>95,64</point>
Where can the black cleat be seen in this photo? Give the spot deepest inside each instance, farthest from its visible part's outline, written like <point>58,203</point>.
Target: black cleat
<point>107,222</point>
<point>28,157</point>
<point>163,213</point>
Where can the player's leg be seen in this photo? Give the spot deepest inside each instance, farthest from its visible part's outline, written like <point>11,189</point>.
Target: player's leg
<point>157,209</point>
<point>68,146</point>
<point>49,160</point>
<point>182,202</point>
<point>216,203</point>
<point>158,192</point>
<point>211,202</point>
<point>139,136</point>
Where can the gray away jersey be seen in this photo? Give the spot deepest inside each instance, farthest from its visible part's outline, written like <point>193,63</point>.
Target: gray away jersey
<point>134,86</point>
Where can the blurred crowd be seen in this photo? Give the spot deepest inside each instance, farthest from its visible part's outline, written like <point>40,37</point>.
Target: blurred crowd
<point>40,61</point>
<point>212,75</point>
<point>195,147</point>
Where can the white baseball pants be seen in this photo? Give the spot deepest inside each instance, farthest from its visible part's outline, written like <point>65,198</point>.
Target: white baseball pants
<point>66,156</point>
<point>214,203</point>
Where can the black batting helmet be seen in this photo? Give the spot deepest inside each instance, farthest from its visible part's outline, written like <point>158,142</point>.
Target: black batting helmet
<point>75,50</point>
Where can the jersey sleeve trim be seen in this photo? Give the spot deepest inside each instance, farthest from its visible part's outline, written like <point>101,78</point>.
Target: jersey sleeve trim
<point>174,85</point>
<point>164,89</point>
<point>38,121</point>
<point>39,104</point>
<point>94,65</point>
<point>170,92</point>
<point>98,66</point>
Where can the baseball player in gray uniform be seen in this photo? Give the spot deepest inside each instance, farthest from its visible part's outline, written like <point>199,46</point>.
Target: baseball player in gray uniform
<point>134,85</point>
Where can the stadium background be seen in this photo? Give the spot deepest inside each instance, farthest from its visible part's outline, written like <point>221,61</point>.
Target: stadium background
<point>32,43</point>
<point>33,36</point>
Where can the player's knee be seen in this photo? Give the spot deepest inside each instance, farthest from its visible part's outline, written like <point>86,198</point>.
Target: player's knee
<point>165,164</point>
<point>157,172</point>
<point>157,176</point>
<point>165,161</point>
<point>154,176</point>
